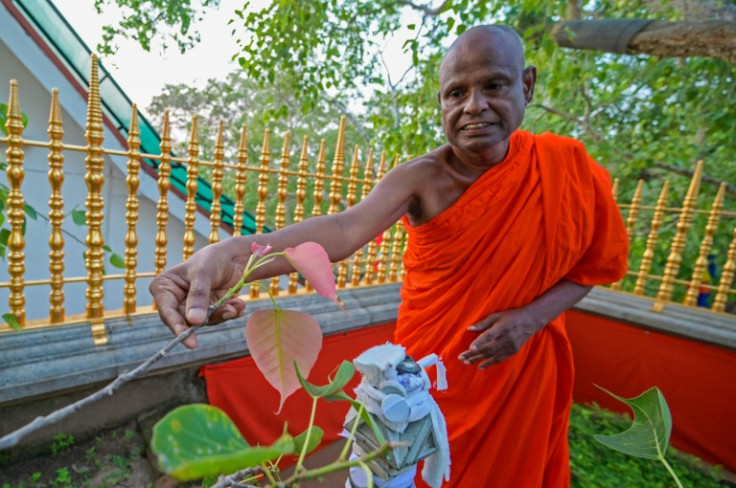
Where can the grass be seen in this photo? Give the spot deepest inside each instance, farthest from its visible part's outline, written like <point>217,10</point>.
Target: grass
<point>594,465</point>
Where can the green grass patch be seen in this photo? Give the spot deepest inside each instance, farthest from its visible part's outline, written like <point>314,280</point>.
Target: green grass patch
<point>594,465</point>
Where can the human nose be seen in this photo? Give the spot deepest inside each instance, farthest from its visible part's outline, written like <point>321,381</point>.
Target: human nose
<point>475,103</point>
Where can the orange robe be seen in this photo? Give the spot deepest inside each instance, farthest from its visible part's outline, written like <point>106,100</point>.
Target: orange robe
<point>544,214</point>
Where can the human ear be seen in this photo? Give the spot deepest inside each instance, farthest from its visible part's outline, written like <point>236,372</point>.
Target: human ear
<point>528,79</point>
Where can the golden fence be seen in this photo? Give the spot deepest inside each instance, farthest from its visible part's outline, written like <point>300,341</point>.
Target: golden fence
<point>378,263</point>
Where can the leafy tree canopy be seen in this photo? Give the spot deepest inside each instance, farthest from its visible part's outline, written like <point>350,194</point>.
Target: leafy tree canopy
<point>641,116</point>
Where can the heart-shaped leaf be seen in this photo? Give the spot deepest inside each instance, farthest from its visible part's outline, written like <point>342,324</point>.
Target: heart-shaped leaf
<point>200,440</point>
<point>311,261</point>
<point>278,338</point>
<point>344,375</point>
<point>649,434</point>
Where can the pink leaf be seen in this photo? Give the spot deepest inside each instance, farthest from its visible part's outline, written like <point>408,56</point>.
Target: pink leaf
<point>277,338</point>
<point>311,261</point>
<point>259,250</point>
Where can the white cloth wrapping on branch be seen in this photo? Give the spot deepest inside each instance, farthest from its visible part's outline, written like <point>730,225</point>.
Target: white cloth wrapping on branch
<point>398,399</point>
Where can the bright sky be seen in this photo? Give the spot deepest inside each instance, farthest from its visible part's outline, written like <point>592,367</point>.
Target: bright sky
<point>142,75</point>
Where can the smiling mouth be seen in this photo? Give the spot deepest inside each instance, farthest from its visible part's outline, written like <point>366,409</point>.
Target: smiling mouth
<point>479,125</point>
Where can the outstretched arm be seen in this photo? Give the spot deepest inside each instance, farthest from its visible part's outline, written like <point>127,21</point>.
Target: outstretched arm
<point>183,293</point>
<point>504,333</point>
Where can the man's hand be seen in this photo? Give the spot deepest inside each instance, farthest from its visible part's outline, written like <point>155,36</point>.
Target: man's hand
<point>183,293</point>
<point>502,335</point>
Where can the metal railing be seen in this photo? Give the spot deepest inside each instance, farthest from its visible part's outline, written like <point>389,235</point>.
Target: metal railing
<point>651,272</point>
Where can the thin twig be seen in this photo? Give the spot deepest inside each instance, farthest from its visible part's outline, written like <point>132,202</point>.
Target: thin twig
<point>14,437</point>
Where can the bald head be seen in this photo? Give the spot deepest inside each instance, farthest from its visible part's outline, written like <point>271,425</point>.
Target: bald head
<point>493,36</point>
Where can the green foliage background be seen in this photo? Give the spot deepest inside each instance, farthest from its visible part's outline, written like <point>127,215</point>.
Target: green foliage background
<point>306,63</point>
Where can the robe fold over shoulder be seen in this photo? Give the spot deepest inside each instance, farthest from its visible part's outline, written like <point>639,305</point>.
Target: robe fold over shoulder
<point>544,214</point>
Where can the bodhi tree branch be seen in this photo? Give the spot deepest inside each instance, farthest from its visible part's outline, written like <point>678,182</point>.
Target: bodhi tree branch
<point>711,38</point>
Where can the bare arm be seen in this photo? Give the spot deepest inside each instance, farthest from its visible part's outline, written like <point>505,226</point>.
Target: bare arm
<point>183,293</point>
<point>504,333</point>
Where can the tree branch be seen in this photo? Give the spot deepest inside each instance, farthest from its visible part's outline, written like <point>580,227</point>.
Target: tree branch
<point>351,117</point>
<point>424,9</point>
<point>14,437</point>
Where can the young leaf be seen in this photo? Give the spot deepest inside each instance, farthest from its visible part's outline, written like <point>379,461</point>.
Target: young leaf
<point>12,321</point>
<point>278,338</point>
<point>649,434</point>
<point>199,440</point>
<point>344,375</point>
<point>314,439</point>
<point>79,217</point>
<point>30,211</point>
<point>117,261</point>
<point>311,261</point>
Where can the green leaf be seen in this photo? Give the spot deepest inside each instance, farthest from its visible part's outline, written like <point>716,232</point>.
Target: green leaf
<point>200,440</point>
<point>344,375</point>
<point>3,118</point>
<point>79,217</point>
<point>12,321</point>
<point>30,211</point>
<point>117,261</point>
<point>315,437</point>
<point>650,431</point>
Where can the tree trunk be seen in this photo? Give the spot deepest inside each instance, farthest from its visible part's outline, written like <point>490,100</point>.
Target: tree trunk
<point>710,38</point>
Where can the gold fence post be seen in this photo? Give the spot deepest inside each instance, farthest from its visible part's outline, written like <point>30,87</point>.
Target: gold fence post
<point>263,175</point>
<point>131,238</point>
<point>162,207</point>
<point>387,244</point>
<point>358,260</point>
<point>95,180</point>
<point>342,275</point>
<point>338,165</point>
<point>190,208</point>
<point>241,176</point>
<point>217,174</point>
<point>281,193</point>
<point>631,222</point>
<point>648,256</point>
<point>57,313</point>
<point>396,253</point>
<point>614,190</point>
<point>319,180</point>
<point>729,271</point>
<point>678,242</point>
<point>691,298</point>
<point>15,173</point>
<point>373,245</point>
<point>301,195</point>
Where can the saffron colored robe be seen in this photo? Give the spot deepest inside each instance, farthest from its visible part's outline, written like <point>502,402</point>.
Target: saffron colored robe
<point>544,214</point>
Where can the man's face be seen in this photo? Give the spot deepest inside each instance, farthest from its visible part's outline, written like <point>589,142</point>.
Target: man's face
<point>484,90</point>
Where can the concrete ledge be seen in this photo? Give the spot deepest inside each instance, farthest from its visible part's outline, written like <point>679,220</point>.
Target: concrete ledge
<point>690,322</point>
<point>54,360</point>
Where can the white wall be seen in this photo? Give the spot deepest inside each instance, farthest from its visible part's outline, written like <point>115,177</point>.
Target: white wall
<point>22,60</point>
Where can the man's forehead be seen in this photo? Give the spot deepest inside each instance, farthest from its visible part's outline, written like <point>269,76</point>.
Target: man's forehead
<point>491,49</point>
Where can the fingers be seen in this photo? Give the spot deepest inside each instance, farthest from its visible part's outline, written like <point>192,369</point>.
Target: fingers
<point>229,310</point>
<point>486,323</point>
<point>198,299</point>
<point>167,295</point>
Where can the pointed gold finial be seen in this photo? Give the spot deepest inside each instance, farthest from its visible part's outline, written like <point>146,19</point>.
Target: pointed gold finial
<point>217,174</point>
<point>190,208</point>
<point>162,207</point>
<point>648,257</point>
<point>56,212</point>
<point>15,173</point>
<point>131,216</point>
<point>240,180</point>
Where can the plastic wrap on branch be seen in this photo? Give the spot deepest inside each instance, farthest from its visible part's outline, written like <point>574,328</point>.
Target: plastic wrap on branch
<point>395,391</point>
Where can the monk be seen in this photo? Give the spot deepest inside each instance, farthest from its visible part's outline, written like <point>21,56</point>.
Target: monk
<point>507,230</point>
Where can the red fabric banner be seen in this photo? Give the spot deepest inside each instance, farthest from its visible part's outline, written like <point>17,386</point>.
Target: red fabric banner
<point>239,389</point>
<point>695,378</point>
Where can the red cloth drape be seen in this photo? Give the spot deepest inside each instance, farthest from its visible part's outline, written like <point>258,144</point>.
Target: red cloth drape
<point>542,215</point>
<point>695,378</point>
